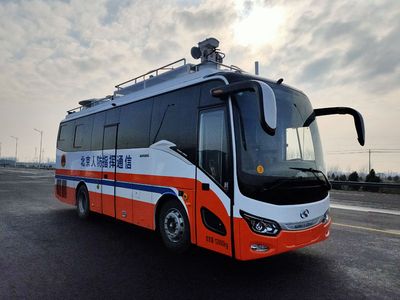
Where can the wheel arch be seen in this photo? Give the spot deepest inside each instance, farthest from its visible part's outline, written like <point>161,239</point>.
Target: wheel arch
<point>167,197</point>
<point>80,184</point>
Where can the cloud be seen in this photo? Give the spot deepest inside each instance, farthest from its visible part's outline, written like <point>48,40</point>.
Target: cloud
<point>54,53</point>
<point>340,42</point>
<point>202,20</point>
<point>318,68</point>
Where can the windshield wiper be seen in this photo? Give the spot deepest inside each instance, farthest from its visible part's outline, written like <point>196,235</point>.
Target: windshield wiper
<point>315,172</point>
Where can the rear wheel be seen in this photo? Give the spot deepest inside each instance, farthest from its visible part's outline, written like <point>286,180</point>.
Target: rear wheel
<point>174,227</point>
<point>82,202</point>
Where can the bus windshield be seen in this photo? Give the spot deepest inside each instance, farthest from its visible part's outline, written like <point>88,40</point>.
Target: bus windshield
<point>284,168</point>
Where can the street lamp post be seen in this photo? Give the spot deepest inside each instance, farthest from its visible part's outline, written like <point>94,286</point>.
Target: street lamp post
<point>40,149</point>
<point>16,148</point>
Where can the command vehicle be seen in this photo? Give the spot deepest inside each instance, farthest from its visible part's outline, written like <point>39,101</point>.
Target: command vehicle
<point>206,154</point>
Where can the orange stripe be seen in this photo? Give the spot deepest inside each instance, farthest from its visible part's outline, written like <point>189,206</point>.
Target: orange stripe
<point>177,182</point>
<point>79,173</point>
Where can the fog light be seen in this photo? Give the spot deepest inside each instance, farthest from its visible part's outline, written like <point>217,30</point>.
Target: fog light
<point>259,248</point>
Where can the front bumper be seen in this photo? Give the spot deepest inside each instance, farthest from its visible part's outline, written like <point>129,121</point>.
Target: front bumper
<point>285,241</point>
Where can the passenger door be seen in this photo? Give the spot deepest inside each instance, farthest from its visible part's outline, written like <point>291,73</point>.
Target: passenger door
<point>108,163</point>
<point>213,203</point>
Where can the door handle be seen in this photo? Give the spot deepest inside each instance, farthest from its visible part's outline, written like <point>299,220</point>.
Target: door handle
<point>205,186</point>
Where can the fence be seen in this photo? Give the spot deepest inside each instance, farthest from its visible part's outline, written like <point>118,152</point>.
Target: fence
<point>375,185</point>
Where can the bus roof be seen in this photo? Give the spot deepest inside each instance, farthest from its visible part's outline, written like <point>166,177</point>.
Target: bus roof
<point>173,76</point>
<point>169,81</point>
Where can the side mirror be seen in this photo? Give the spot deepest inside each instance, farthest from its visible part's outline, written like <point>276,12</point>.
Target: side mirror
<point>265,96</point>
<point>358,119</point>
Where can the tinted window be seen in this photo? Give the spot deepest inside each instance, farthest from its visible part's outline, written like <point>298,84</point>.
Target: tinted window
<point>65,136</point>
<point>97,133</point>
<point>83,133</point>
<point>213,145</point>
<point>112,116</point>
<point>78,139</point>
<point>174,119</point>
<point>110,137</point>
<point>61,133</point>
<point>206,98</point>
<point>134,128</point>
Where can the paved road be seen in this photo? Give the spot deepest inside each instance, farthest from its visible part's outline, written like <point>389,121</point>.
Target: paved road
<point>46,252</point>
<point>368,199</point>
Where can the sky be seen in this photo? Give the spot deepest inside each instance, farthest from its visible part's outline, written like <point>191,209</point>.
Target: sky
<point>340,53</point>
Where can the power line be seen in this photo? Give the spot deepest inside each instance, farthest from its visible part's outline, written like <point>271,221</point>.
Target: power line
<point>364,151</point>
<point>367,151</point>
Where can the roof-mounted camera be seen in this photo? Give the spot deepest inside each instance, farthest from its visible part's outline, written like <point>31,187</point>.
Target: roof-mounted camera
<point>207,51</point>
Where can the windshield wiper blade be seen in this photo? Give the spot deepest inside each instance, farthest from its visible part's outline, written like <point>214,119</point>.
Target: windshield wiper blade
<point>315,172</point>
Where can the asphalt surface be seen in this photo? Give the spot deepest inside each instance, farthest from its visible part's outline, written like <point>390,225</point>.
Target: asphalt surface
<point>47,252</point>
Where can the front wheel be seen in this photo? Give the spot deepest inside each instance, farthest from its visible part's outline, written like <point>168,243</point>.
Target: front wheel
<point>82,202</point>
<point>174,227</point>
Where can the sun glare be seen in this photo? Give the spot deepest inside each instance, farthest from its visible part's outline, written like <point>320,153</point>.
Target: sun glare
<point>261,26</point>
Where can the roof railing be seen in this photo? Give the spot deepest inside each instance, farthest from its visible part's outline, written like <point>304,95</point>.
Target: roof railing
<point>229,67</point>
<point>152,73</point>
<point>142,79</point>
<point>74,110</point>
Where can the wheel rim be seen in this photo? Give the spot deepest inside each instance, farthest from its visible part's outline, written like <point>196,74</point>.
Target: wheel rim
<point>174,225</point>
<point>82,203</point>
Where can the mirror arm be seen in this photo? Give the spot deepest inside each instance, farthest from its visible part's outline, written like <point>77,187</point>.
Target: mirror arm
<point>358,119</point>
<point>262,93</point>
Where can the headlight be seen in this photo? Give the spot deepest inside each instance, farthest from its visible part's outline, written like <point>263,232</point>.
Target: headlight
<point>260,225</point>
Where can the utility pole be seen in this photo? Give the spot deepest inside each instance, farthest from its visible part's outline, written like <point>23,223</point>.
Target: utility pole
<point>16,148</point>
<point>40,149</point>
<point>369,160</point>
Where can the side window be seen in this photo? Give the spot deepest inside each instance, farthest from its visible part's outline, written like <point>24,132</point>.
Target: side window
<point>61,133</point>
<point>134,128</point>
<point>112,116</point>
<point>97,132</point>
<point>174,119</point>
<point>213,145</point>
<point>83,132</point>
<point>110,137</point>
<point>79,135</point>
<point>65,136</point>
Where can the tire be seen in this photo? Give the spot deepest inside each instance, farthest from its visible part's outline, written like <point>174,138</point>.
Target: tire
<point>173,225</point>
<point>82,202</point>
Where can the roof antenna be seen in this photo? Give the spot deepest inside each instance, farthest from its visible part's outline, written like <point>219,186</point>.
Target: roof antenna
<point>257,68</point>
<point>280,80</point>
